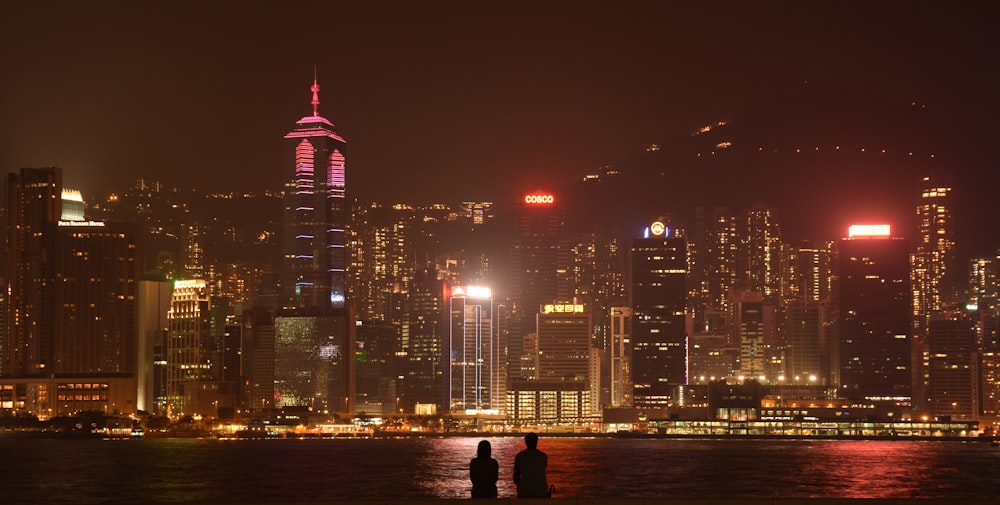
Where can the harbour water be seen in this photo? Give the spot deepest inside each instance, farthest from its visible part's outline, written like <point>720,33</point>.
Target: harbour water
<point>264,471</point>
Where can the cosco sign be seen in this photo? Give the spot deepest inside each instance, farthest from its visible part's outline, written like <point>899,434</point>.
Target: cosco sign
<point>536,199</point>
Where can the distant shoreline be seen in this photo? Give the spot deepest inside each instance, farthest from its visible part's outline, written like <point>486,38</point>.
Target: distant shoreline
<point>51,435</point>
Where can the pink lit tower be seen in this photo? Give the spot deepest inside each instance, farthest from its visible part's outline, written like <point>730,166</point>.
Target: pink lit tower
<point>315,216</point>
<point>314,330</point>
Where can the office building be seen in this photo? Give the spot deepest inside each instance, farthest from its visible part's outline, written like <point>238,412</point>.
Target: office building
<point>657,295</point>
<point>315,215</point>
<point>620,356</point>
<point>193,357</point>
<point>423,344</point>
<point>69,342</point>
<point>935,269</point>
<point>476,381</point>
<point>315,329</point>
<point>314,363</point>
<point>952,390</point>
<point>565,352</point>
<point>539,263</point>
<point>33,210</point>
<point>874,344</point>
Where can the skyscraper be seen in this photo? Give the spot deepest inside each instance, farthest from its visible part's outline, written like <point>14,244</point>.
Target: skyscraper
<point>539,266</point>
<point>95,327</point>
<point>761,255</point>
<point>952,371</point>
<point>935,270</point>
<point>873,303</point>
<point>620,350</point>
<point>714,263</point>
<point>315,215</point>
<point>33,209</point>
<point>316,322</point>
<point>424,334</point>
<point>192,356</point>
<point>565,352</point>
<point>657,295</point>
<point>476,383</point>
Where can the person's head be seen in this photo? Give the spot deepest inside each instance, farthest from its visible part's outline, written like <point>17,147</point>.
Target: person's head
<point>484,449</point>
<point>531,440</point>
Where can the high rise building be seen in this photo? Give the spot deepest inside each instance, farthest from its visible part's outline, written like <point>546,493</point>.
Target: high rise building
<point>315,330</point>
<point>33,209</point>
<point>657,295</point>
<point>258,333</point>
<point>935,270</point>
<point>874,344</point>
<point>95,328</point>
<point>475,371</point>
<point>154,303</point>
<point>315,215</point>
<point>804,351</point>
<point>754,320</point>
<point>565,352</point>
<point>69,338</point>
<point>714,264</point>
<point>620,356</point>
<point>952,389</point>
<point>423,351</point>
<point>761,253</point>
<point>192,355</point>
<point>540,262</point>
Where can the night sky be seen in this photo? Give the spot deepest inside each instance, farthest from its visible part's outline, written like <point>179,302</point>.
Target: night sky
<point>458,101</point>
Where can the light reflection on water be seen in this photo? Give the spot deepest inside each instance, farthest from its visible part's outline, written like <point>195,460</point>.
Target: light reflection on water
<point>173,471</point>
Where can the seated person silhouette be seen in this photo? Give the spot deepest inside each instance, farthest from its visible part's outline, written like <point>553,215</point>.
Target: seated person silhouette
<point>484,471</point>
<point>529,470</point>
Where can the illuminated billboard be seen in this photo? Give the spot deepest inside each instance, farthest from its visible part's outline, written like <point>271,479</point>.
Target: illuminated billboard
<point>868,230</point>
<point>479,292</point>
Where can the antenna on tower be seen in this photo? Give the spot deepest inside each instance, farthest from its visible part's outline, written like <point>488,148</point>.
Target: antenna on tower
<point>315,91</point>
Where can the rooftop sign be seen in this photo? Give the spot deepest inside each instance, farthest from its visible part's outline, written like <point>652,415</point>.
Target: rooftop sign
<point>539,199</point>
<point>868,230</point>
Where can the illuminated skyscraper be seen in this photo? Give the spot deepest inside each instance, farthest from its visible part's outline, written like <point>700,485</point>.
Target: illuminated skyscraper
<point>620,352</point>
<point>761,253</point>
<point>935,269</point>
<point>315,216</point>
<point>952,373</point>
<point>33,209</point>
<point>315,330</point>
<point>539,266</point>
<point>714,263</point>
<point>658,267</point>
<point>192,356</point>
<point>874,340</point>
<point>70,302</point>
<point>476,383</point>
<point>563,342</point>
<point>754,323</point>
<point>424,333</point>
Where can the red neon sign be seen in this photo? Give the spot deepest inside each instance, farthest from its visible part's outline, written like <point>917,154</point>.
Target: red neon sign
<point>539,199</point>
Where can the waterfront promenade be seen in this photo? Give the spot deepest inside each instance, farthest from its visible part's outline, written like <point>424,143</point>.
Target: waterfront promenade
<point>659,501</point>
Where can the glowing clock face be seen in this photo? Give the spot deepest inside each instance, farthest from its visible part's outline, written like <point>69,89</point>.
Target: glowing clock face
<point>658,229</point>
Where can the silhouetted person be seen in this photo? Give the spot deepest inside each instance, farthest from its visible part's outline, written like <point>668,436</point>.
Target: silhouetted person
<point>529,470</point>
<point>484,471</point>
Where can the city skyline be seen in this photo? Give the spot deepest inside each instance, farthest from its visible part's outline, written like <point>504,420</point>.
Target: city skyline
<point>539,95</point>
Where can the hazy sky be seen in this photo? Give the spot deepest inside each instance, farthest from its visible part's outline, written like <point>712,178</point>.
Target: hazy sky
<point>454,100</point>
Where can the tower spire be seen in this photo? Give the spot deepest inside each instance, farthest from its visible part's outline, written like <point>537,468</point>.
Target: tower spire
<point>315,91</point>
